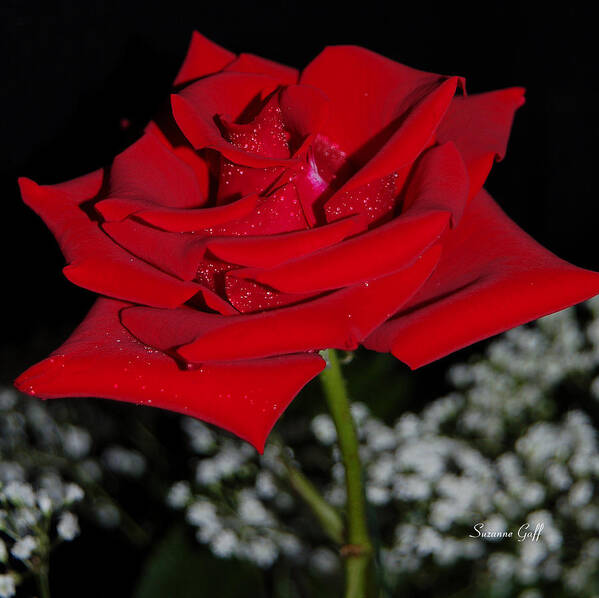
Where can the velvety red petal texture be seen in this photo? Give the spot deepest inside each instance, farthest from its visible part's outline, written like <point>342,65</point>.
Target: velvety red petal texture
<point>265,251</point>
<point>480,125</point>
<point>368,94</point>
<point>95,261</point>
<point>225,95</point>
<point>492,276</point>
<point>370,255</point>
<point>204,57</point>
<point>147,171</point>
<point>271,214</point>
<point>177,220</point>
<point>101,359</point>
<point>337,320</point>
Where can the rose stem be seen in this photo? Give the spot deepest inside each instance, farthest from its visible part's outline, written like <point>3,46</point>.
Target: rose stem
<point>358,550</point>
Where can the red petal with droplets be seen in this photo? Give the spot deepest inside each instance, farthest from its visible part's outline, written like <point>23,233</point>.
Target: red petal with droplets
<point>266,251</point>
<point>96,262</point>
<point>203,58</point>
<point>101,359</point>
<point>492,276</point>
<point>225,95</point>
<point>338,320</point>
<point>410,138</point>
<point>370,255</point>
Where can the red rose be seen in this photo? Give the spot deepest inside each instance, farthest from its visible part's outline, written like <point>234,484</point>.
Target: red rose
<point>284,213</point>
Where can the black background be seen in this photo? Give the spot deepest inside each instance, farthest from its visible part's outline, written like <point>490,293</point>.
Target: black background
<point>72,70</point>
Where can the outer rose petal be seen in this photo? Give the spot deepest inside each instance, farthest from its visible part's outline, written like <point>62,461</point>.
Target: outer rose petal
<point>248,63</point>
<point>102,359</point>
<point>338,320</point>
<point>149,171</point>
<point>480,125</point>
<point>367,92</point>
<point>203,58</point>
<point>492,276</point>
<point>95,261</point>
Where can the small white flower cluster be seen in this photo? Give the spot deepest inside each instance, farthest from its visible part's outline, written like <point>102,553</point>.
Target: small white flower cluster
<point>493,452</point>
<point>234,502</point>
<point>26,515</point>
<point>36,502</point>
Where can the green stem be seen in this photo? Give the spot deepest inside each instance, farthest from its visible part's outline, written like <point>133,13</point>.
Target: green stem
<point>358,551</point>
<point>327,515</point>
<point>43,582</point>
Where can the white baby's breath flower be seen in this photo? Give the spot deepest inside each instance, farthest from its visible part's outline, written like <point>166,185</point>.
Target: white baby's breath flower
<point>24,547</point>
<point>201,512</point>
<point>124,461</point>
<point>251,510</point>
<point>73,493</point>
<point>179,494</point>
<point>324,429</point>
<point>201,438</point>
<point>378,495</point>
<point>580,493</point>
<point>224,544</point>
<point>68,526</point>
<point>265,485</point>
<point>7,586</point>
<point>44,502</point>
<point>262,551</point>
<point>20,494</point>
<point>324,561</point>
<point>8,399</point>
<point>76,442</point>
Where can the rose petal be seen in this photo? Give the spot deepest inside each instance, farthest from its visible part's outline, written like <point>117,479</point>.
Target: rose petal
<point>492,277</point>
<point>480,125</point>
<point>203,58</point>
<point>368,92</point>
<point>176,143</point>
<point>102,359</point>
<point>439,181</point>
<point>248,296</point>
<point>148,171</point>
<point>176,220</point>
<point>337,320</point>
<point>265,251</point>
<point>278,212</point>
<point>179,253</point>
<point>411,136</point>
<point>95,262</point>
<point>373,254</point>
<point>225,95</point>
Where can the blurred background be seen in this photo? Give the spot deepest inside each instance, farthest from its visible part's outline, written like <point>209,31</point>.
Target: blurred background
<point>72,73</point>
